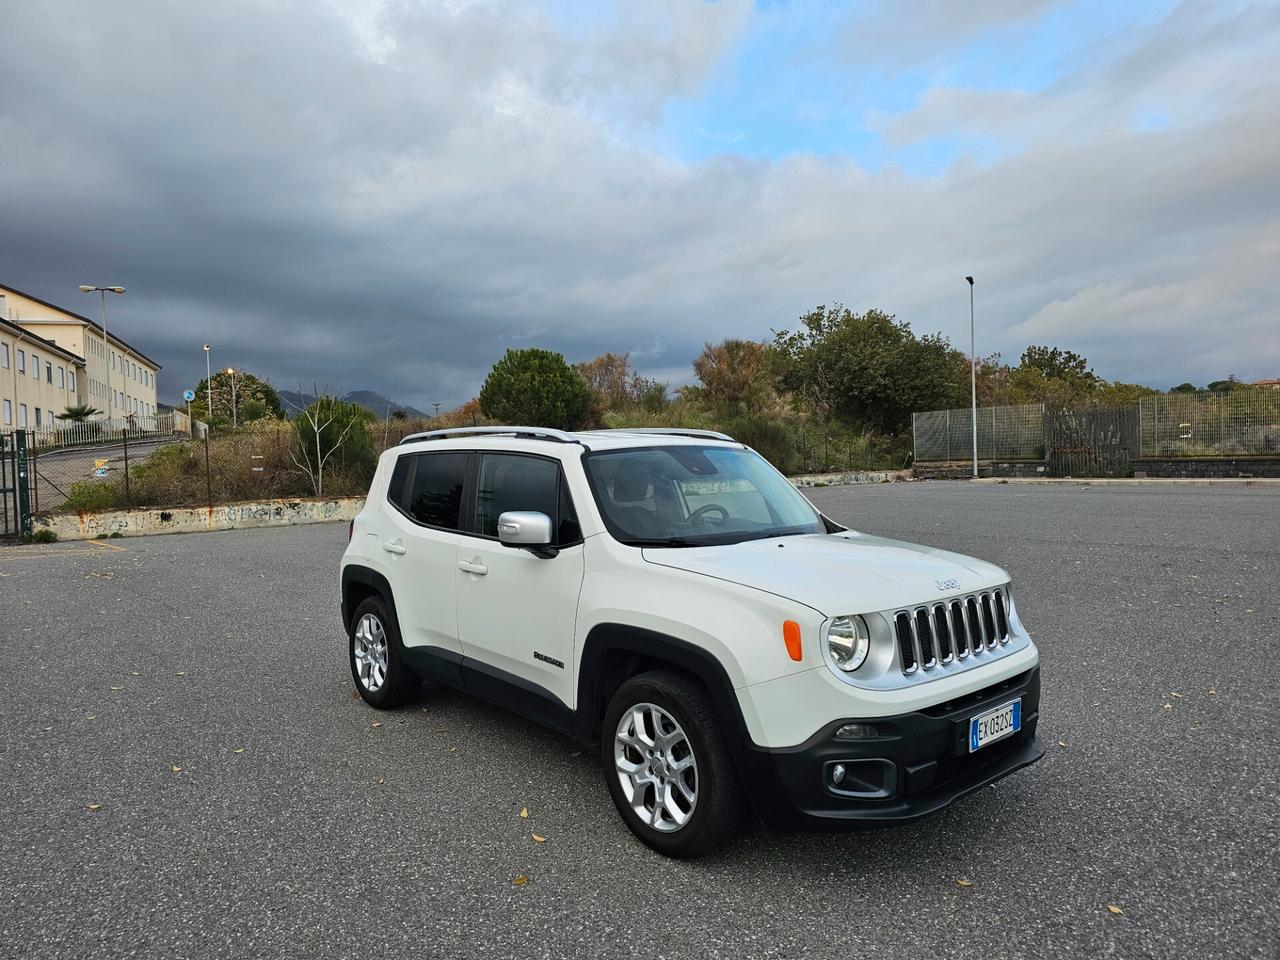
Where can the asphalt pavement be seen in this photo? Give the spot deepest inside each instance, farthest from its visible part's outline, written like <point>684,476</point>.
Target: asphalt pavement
<point>187,772</point>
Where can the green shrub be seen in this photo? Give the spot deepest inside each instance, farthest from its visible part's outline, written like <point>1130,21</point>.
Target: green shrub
<point>92,495</point>
<point>43,535</point>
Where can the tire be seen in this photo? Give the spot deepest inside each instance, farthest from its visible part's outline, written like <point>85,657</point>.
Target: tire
<point>677,707</point>
<point>370,659</point>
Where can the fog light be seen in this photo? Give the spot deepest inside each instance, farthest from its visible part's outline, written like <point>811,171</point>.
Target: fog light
<point>856,731</point>
<point>837,774</point>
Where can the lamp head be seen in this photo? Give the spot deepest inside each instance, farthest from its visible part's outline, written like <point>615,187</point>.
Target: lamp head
<point>116,289</point>
<point>86,288</point>
<point>970,279</point>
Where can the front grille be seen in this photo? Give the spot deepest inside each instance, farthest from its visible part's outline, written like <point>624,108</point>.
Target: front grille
<point>941,634</point>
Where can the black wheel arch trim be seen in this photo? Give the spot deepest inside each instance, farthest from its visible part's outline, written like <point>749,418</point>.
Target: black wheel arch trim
<point>353,574</point>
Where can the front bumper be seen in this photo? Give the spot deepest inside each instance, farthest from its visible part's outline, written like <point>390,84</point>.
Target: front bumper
<point>918,762</point>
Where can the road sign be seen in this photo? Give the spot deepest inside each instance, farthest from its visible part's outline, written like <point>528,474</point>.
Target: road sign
<point>188,395</point>
<point>100,468</point>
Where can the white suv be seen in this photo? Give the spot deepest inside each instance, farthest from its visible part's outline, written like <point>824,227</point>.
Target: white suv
<point>669,598</point>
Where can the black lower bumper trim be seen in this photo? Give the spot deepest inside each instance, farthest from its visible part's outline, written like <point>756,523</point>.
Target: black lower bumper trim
<point>918,763</point>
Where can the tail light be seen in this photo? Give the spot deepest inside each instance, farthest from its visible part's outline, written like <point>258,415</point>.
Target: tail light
<point>351,528</point>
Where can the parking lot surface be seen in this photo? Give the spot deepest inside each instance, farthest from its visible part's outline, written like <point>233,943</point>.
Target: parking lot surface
<point>188,774</point>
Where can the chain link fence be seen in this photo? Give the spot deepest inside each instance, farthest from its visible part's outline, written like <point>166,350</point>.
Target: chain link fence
<point>1004,433</point>
<point>1239,423</point>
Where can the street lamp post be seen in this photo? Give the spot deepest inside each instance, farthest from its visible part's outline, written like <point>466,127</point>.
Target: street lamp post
<point>235,416</point>
<point>208,386</point>
<point>973,380</point>
<point>102,292</point>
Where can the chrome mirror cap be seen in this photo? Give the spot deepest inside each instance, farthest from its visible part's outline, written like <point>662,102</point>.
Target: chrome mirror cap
<point>524,528</point>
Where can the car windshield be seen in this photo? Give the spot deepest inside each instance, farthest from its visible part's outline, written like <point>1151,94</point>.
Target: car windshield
<point>694,496</point>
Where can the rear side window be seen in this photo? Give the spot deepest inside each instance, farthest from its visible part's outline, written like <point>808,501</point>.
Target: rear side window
<point>436,495</point>
<point>395,490</point>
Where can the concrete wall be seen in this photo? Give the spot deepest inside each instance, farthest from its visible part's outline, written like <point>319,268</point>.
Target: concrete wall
<point>87,525</point>
<point>1208,468</point>
<point>850,476</point>
<point>963,469</point>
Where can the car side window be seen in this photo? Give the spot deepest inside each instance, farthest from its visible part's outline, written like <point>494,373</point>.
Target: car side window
<point>395,489</point>
<point>513,482</point>
<point>568,529</point>
<point>436,496</point>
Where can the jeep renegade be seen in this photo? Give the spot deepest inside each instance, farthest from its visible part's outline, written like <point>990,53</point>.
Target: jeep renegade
<point>669,598</point>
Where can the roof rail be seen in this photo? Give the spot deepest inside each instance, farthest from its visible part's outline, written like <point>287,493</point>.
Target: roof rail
<point>673,432</point>
<point>531,433</point>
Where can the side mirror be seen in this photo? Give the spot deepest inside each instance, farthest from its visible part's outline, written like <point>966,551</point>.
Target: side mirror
<point>527,530</point>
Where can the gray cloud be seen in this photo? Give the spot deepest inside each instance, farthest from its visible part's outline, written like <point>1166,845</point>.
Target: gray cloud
<point>388,196</point>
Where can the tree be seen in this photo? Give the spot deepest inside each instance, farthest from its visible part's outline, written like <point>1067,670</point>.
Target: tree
<point>536,388</point>
<point>1058,364</point>
<point>1185,388</point>
<point>869,368</point>
<point>331,433</point>
<point>79,413</point>
<point>734,373</point>
<point>247,388</point>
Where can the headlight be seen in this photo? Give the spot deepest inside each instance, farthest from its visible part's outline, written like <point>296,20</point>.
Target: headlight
<point>849,641</point>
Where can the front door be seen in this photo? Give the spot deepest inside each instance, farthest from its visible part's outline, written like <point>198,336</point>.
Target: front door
<point>516,611</point>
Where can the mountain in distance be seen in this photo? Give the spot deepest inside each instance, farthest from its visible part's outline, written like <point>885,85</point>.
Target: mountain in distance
<point>369,399</point>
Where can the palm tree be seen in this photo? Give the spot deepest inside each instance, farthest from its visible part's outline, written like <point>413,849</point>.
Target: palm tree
<point>79,413</point>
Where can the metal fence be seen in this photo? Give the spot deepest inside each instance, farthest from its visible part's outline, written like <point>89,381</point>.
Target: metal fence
<point>1239,423</point>
<point>1004,433</point>
<point>66,433</point>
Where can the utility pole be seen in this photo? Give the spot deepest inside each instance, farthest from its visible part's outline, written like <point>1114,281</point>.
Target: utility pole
<point>973,380</point>
<point>102,292</point>
<point>235,413</point>
<point>208,386</point>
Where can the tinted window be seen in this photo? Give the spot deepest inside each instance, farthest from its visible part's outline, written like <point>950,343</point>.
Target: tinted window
<point>436,497</point>
<point>569,530</point>
<point>510,482</point>
<point>395,490</point>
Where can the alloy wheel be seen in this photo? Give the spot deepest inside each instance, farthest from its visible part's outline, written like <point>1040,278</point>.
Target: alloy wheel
<point>656,767</point>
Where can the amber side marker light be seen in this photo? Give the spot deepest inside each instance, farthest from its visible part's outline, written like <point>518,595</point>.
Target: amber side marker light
<point>791,637</point>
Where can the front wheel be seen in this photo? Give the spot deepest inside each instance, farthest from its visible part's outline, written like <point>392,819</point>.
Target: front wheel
<point>668,767</point>
<point>380,675</point>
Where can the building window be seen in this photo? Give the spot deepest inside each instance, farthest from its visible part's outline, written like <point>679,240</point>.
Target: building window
<point>62,378</point>
<point>8,413</point>
<point>71,380</point>
<point>38,421</point>
<point>22,415</point>
<point>22,361</point>
<point>35,367</point>
<point>48,372</point>
<point>4,355</point>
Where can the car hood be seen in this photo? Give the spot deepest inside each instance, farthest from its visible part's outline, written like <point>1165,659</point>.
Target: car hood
<point>837,573</point>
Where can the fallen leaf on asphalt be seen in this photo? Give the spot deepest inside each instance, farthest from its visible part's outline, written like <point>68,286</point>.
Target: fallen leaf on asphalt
<point>1113,908</point>
<point>524,812</point>
<point>117,688</point>
<point>1175,693</point>
<point>95,806</point>
<point>238,750</point>
<point>47,729</point>
<point>1168,706</point>
<point>538,838</point>
<point>177,769</point>
<point>92,717</point>
<point>376,723</point>
<point>182,673</point>
<point>1213,692</point>
<point>380,780</point>
<point>964,883</point>
<point>134,673</point>
<point>521,880</point>
<point>1061,744</point>
<point>355,694</point>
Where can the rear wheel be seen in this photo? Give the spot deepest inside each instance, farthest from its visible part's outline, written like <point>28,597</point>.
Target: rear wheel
<point>374,646</point>
<point>668,767</point>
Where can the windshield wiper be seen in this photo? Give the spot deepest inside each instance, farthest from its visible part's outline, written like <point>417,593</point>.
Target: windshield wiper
<point>662,542</point>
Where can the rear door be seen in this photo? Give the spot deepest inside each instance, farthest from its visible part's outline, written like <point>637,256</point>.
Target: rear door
<point>516,611</point>
<point>421,551</point>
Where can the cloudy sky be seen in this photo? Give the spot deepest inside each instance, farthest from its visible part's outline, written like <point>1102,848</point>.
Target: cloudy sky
<point>386,195</point>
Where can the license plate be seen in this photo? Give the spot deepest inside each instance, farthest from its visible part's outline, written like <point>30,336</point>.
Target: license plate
<point>995,725</point>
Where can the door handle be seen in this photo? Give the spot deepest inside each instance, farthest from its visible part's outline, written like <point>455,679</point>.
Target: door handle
<point>473,566</point>
<point>399,549</point>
